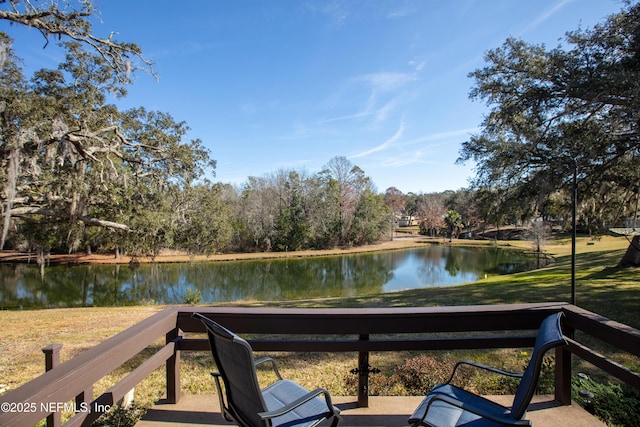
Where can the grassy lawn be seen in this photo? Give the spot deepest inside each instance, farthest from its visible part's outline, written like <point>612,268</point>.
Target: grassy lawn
<point>601,287</point>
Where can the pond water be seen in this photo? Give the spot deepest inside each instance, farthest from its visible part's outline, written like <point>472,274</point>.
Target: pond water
<point>21,285</point>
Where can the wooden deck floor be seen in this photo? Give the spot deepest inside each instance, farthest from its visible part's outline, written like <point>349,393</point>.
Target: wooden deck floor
<point>202,411</point>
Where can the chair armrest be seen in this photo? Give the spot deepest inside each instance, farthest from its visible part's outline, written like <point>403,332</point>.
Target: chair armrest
<point>470,407</point>
<point>217,376</point>
<point>292,405</point>
<point>482,366</point>
<point>274,365</point>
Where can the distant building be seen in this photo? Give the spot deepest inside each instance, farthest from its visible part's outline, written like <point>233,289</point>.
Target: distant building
<point>408,221</point>
<point>632,223</point>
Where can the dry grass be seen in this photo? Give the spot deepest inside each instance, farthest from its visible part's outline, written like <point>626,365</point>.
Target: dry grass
<point>78,329</point>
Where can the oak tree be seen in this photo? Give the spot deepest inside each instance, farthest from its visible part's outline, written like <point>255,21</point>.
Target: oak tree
<point>555,114</point>
<point>69,160</point>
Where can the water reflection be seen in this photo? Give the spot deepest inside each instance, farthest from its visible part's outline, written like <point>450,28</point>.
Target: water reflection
<point>265,280</point>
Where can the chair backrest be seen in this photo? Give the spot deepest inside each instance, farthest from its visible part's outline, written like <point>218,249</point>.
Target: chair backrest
<point>236,365</point>
<point>549,336</point>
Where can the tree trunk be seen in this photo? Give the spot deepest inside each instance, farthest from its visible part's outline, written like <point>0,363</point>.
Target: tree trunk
<point>631,258</point>
<point>13,165</point>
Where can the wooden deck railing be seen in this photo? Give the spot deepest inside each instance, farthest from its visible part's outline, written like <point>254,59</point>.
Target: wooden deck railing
<point>360,330</point>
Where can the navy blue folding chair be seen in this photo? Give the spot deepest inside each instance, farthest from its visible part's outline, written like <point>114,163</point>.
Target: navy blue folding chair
<point>242,401</point>
<point>448,406</point>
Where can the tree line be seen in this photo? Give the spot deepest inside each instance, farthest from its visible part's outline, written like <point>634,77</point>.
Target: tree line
<point>77,173</point>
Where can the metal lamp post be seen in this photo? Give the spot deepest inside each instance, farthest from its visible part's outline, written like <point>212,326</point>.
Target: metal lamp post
<point>574,203</point>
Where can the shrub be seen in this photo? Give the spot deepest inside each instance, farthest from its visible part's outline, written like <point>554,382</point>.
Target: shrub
<point>119,416</point>
<point>380,384</point>
<point>192,296</point>
<point>614,404</point>
<point>421,373</point>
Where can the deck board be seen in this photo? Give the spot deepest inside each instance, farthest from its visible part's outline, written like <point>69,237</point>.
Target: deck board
<point>202,411</point>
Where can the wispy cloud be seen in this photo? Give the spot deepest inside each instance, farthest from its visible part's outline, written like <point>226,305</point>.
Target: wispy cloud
<point>369,110</point>
<point>417,65</point>
<point>382,91</point>
<point>414,151</point>
<point>443,136</point>
<point>400,161</point>
<point>400,13</point>
<point>389,142</point>
<point>386,81</point>
<point>387,109</point>
<point>544,16</point>
<point>353,116</point>
<point>337,12</point>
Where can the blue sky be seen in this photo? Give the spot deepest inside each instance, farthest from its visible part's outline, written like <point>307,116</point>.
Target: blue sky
<point>290,84</point>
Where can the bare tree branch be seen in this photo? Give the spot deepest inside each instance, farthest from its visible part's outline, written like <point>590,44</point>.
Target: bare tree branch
<point>33,210</point>
<point>55,20</point>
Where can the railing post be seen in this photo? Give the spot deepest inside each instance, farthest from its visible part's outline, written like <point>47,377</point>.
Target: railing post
<point>563,369</point>
<point>173,369</point>
<point>363,375</point>
<point>563,376</point>
<point>51,360</point>
<point>84,399</point>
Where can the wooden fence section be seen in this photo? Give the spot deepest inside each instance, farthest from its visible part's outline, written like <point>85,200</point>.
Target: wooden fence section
<point>74,379</point>
<point>360,330</point>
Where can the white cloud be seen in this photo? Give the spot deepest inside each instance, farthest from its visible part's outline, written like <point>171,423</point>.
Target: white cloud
<point>418,66</point>
<point>337,12</point>
<point>443,136</point>
<point>357,115</point>
<point>378,88</point>
<point>544,16</point>
<point>386,110</point>
<point>395,162</point>
<point>382,146</point>
<point>386,81</point>
<point>400,13</point>
<point>405,156</point>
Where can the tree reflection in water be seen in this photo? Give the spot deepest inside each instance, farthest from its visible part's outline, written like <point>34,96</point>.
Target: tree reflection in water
<point>21,286</point>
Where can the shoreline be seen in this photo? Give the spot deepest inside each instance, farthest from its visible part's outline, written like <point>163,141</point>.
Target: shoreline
<point>553,248</point>
<point>83,259</point>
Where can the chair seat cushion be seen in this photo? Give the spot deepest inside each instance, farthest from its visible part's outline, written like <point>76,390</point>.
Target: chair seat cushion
<point>443,414</point>
<point>282,392</point>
